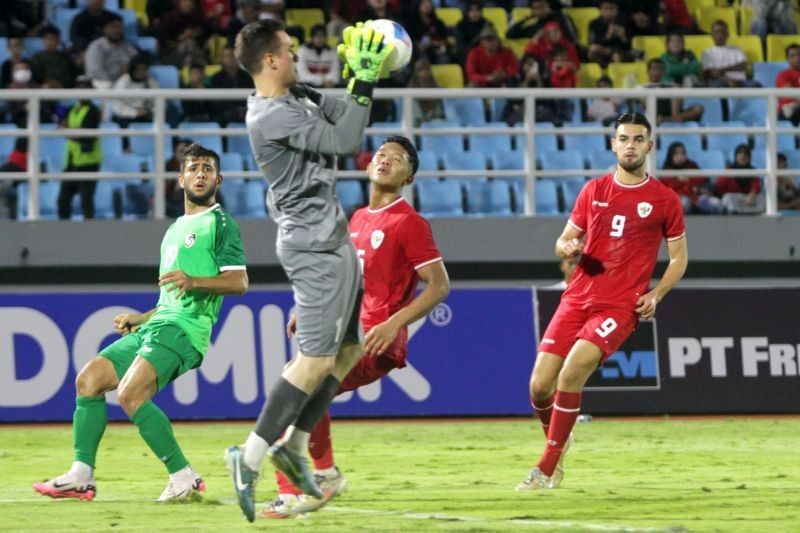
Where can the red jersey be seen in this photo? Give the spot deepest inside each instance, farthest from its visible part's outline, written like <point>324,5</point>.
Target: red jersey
<point>392,243</point>
<point>787,78</point>
<point>624,227</point>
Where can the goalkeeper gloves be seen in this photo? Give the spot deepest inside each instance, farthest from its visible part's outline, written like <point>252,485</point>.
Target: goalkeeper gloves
<point>363,52</point>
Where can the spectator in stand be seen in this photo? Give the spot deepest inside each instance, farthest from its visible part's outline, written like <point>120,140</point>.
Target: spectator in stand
<point>741,194</point>
<point>468,28</point>
<point>182,35</point>
<point>490,64</point>
<point>271,9</point>
<point>562,74</point>
<point>677,18</point>
<point>668,109</point>
<point>604,109</point>
<point>88,24</point>
<point>53,62</point>
<point>107,57</point>
<point>771,16</point>
<point>127,110</point>
<point>174,194</point>
<point>789,108</point>
<point>196,110</point>
<point>15,49</point>
<point>17,161</point>
<point>725,65</point>
<point>317,63</point>
<point>429,33</point>
<point>609,40</point>
<point>248,12</point>
<point>695,193</point>
<point>549,38</point>
<point>788,191</point>
<point>643,19</point>
<point>542,12</point>
<point>218,15</point>
<point>422,77</point>
<point>530,77</point>
<point>230,77</point>
<point>682,67</point>
<point>156,11</point>
<point>380,9</point>
<point>345,13</point>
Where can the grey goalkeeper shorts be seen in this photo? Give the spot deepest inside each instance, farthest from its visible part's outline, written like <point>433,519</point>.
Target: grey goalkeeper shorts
<point>327,297</point>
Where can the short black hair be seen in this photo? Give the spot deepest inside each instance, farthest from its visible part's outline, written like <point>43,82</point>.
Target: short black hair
<point>255,40</point>
<point>410,149</point>
<point>655,61</point>
<point>318,28</point>
<point>113,17</point>
<point>49,29</point>
<point>194,151</point>
<point>791,46</point>
<point>781,158</point>
<point>633,118</point>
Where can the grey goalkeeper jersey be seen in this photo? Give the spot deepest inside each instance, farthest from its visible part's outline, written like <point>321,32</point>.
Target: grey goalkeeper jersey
<point>291,138</point>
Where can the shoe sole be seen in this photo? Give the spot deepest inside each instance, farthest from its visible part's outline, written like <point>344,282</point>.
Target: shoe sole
<point>44,490</point>
<point>190,495</point>
<point>281,460</point>
<point>248,510</point>
<point>309,504</point>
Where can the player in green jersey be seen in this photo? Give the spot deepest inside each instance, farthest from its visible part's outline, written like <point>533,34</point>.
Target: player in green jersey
<point>201,260</point>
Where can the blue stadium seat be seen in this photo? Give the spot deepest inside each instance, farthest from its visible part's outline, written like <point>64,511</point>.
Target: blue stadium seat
<point>489,197</point>
<point>377,139</point>
<point>726,142</point>
<point>603,159</point>
<point>570,188</point>
<point>63,21</point>
<point>585,144</point>
<point>545,142</point>
<point>231,162</point>
<point>166,75</point>
<point>104,198</point>
<point>48,200</point>
<point>439,198</point>
<point>765,72</point>
<point>130,164</point>
<point>232,196</point>
<point>351,195</point>
<point>461,160</point>
<point>428,160</point>
<point>254,199</point>
<point>508,160</point>
<point>144,145</point>
<point>111,144</point>
<point>793,159</point>
<point>786,141</point>
<point>712,108</point>
<point>751,111</point>
<point>137,199</point>
<point>489,143</point>
<point>212,142</point>
<point>692,141</point>
<point>547,197</point>
<point>130,23</point>
<point>32,46</point>
<point>758,158</point>
<point>238,143</point>
<point>53,149</point>
<point>465,110</point>
<point>147,44</point>
<point>709,159</point>
<point>441,143</point>
<point>4,53</point>
<point>563,160</point>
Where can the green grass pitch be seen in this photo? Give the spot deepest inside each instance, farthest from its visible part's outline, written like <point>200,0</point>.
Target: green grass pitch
<point>709,474</point>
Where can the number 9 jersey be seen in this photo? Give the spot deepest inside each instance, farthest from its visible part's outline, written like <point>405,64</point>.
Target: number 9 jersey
<point>624,226</point>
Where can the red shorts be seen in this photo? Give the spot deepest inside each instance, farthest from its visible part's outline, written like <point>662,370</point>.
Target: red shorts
<point>605,327</point>
<point>370,369</point>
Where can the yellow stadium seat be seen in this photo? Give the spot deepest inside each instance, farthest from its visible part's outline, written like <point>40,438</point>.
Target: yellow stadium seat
<point>693,5</point>
<point>698,44</point>
<point>209,71</point>
<point>519,13</point>
<point>588,75</point>
<point>305,18</point>
<point>582,16</point>
<point>333,41</point>
<point>216,45</point>
<point>621,74</point>
<point>745,19</point>
<point>706,16</point>
<point>517,46</point>
<point>750,45</point>
<point>449,75</point>
<point>498,17</point>
<point>776,45</point>
<point>140,6</point>
<point>653,46</point>
<point>449,15</point>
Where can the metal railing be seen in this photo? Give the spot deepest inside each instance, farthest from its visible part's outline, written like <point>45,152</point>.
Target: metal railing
<point>160,131</point>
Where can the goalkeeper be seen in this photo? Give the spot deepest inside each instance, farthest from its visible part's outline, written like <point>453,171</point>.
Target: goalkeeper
<point>295,133</point>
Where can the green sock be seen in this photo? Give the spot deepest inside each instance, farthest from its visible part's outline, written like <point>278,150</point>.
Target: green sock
<point>155,429</point>
<point>88,425</point>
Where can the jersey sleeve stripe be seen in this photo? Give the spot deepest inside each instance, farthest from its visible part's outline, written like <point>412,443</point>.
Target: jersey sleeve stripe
<point>574,225</point>
<point>426,263</point>
<point>232,267</point>
<point>676,238</point>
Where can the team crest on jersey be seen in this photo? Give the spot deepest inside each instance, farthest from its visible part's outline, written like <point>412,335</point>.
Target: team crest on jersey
<point>191,238</point>
<point>644,209</point>
<point>376,239</point>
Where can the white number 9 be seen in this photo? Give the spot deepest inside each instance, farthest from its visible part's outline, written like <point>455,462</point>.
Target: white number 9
<point>617,225</point>
<point>605,329</point>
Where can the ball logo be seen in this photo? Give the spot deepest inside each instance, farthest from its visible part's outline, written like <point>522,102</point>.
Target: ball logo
<point>376,239</point>
<point>644,209</point>
<point>189,240</point>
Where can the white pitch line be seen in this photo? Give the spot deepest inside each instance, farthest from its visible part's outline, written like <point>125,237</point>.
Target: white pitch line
<point>521,521</point>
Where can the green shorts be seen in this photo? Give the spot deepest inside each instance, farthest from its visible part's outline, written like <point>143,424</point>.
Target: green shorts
<point>165,346</point>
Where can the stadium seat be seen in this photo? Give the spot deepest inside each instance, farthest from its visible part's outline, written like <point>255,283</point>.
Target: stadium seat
<point>461,160</point>
<point>130,22</point>
<point>212,142</point>
<point>166,75</point>
<point>517,46</point>
<point>133,165</point>
<point>111,144</point>
<point>581,17</point>
<point>693,5</point>
<point>48,200</point>
<point>621,74</point>
<point>519,13</point>
<point>564,160</point>
<point>766,72</point>
<point>449,15</point>
<point>698,44</point>
<point>144,145</point>
<point>428,160</point>
<point>723,141</point>
<point>232,195</point>
<point>588,74</point>
<point>585,144</point>
<point>750,45</point>
<point>786,141</point>
<point>707,15</point>
<point>758,159</point>
<point>351,195</point>
<point>238,143</point>
<point>692,141</point>
<point>776,46</point>
<point>254,199</point>
<point>63,21</point>
<point>448,75</point>
<point>53,149</point>
<point>7,143</point>
<point>653,46</point>
<point>793,159</point>
<point>4,53</point>
<point>708,159</point>
<point>32,46</point>
<point>545,142</point>
<point>231,162</point>
<point>508,160</point>
<point>570,188</point>
<point>751,111</point>
<point>439,198</point>
<point>104,198</point>
<point>488,197</point>
<point>547,197</point>
<point>441,143</point>
<point>489,143</point>
<point>465,110</point>
<point>745,19</point>
<point>602,160</point>
<point>305,18</point>
<point>499,17</point>
<point>712,108</point>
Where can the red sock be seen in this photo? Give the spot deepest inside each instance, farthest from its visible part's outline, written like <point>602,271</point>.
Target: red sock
<point>320,446</point>
<point>285,486</point>
<point>544,410</point>
<point>566,408</point>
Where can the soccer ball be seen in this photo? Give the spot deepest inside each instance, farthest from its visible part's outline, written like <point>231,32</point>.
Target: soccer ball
<point>394,32</point>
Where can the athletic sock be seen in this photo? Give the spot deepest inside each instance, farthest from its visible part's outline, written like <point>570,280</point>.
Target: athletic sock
<point>544,410</point>
<point>317,404</point>
<point>81,470</point>
<point>155,429</point>
<point>296,440</point>
<point>88,425</point>
<point>320,446</point>
<point>566,408</point>
<point>285,486</point>
<point>284,404</point>
<point>255,449</point>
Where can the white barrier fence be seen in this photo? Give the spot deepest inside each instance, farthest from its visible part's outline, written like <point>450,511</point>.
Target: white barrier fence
<point>161,131</point>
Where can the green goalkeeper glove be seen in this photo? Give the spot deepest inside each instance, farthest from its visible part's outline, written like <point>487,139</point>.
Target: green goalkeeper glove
<point>364,51</point>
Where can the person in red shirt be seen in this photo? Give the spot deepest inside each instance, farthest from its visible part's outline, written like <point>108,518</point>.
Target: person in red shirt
<point>741,194</point>
<point>789,108</point>
<point>616,226</point>
<point>396,249</point>
<point>542,47</point>
<point>489,63</point>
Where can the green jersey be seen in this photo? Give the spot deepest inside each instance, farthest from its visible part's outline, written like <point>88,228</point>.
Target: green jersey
<point>203,245</point>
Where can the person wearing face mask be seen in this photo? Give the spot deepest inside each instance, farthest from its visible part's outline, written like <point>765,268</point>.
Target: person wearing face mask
<point>15,56</point>
<point>317,64</point>
<point>83,155</point>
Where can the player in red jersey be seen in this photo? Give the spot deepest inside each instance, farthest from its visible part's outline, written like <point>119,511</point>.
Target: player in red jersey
<point>396,248</point>
<point>616,226</point>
